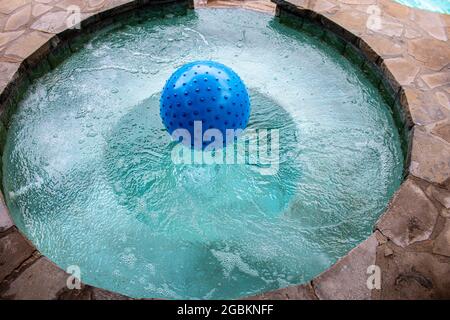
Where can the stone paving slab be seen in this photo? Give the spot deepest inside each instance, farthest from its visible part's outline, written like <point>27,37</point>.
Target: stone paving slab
<point>42,280</point>
<point>440,245</point>
<point>430,156</point>
<point>14,250</point>
<point>411,216</point>
<point>257,5</point>
<point>412,274</point>
<point>347,279</point>
<point>404,51</point>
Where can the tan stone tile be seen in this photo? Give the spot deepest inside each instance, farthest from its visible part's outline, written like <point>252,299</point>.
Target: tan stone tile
<point>27,44</point>
<point>410,218</point>
<point>39,9</point>
<point>412,33</point>
<point>200,3</point>
<point>431,23</point>
<point>6,37</point>
<point>8,70</point>
<point>432,53</point>
<point>442,130</point>
<point>413,275</point>
<point>262,6</point>
<point>429,157</point>
<point>18,19</point>
<point>300,3</point>
<point>95,5</point>
<point>380,46</point>
<point>363,8</point>
<point>42,280</point>
<point>359,1</point>
<point>53,22</point>
<point>441,195</point>
<point>424,108</point>
<point>446,19</point>
<point>68,3</point>
<point>347,279</point>
<point>8,6</point>
<point>353,21</point>
<point>442,98</point>
<point>324,6</point>
<point>14,250</point>
<point>3,18</point>
<point>394,9</point>
<point>436,79</point>
<point>84,5</point>
<point>115,3</point>
<point>442,242</point>
<point>390,28</point>
<point>403,70</point>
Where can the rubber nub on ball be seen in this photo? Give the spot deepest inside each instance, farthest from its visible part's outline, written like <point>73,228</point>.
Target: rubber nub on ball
<point>201,96</point>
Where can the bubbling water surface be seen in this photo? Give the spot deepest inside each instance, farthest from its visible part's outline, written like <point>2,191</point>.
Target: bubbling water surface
<point>88,175</point>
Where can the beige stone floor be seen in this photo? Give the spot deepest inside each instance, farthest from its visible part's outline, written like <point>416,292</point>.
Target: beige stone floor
<point>411,241</point>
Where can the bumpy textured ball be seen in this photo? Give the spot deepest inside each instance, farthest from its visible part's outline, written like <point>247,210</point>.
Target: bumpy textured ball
<point>204,91</point>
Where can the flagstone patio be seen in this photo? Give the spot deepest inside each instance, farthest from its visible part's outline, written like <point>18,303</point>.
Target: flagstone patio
<point>404,51</point>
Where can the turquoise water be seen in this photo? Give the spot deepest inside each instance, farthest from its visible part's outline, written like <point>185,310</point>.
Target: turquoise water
<point>89,179</point>
<point>441,6</point>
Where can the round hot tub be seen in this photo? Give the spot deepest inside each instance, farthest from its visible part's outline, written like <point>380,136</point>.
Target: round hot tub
<point>90,176</point>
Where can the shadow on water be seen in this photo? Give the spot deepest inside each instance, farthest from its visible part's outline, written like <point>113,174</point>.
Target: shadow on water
<point>201,213</point>
<point>140,168</point>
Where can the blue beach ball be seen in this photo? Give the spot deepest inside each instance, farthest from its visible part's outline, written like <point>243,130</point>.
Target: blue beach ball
<point>207,93</point>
